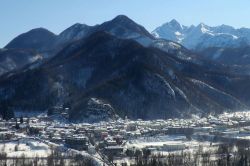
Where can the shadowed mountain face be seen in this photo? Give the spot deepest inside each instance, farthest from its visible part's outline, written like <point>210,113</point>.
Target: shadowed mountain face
<point>47,44</point>
<point>130,79</point>
<point>229,56</point>
<point>31,47</point>
<point>121,26</point>
<point>15,59</point>
<point>39,39</point>
<point>237,58</point>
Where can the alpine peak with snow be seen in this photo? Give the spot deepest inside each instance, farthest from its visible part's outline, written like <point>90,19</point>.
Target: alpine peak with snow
<point>203,36</point>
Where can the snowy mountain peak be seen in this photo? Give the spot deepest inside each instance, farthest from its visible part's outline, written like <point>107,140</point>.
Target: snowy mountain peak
<point>203,36</point>
<point>204,28</point>
<point>175,24</point>
<point>173,30</point>
<point>202,25</point>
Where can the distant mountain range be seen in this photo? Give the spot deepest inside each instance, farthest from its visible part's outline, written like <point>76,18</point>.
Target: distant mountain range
<point>223,44</point>
<point>203,36</point>
<point>115,69</point>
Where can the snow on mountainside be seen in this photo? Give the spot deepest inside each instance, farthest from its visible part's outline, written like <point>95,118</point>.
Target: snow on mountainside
<point>172,30</point>
<point>15,59</point>
<point>203,36</point>
<point>75,32</point>
<point>119,68</point>
<point>104,76</point>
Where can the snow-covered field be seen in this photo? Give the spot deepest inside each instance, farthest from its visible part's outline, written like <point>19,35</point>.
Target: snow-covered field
<point>25,147</point>
<point>176,142</point>
<point>160,141</point>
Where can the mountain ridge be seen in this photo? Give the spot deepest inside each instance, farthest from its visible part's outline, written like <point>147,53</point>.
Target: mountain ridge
<point>203,36</point>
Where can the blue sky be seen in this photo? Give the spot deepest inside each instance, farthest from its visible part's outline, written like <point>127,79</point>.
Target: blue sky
<point>18,16</point>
